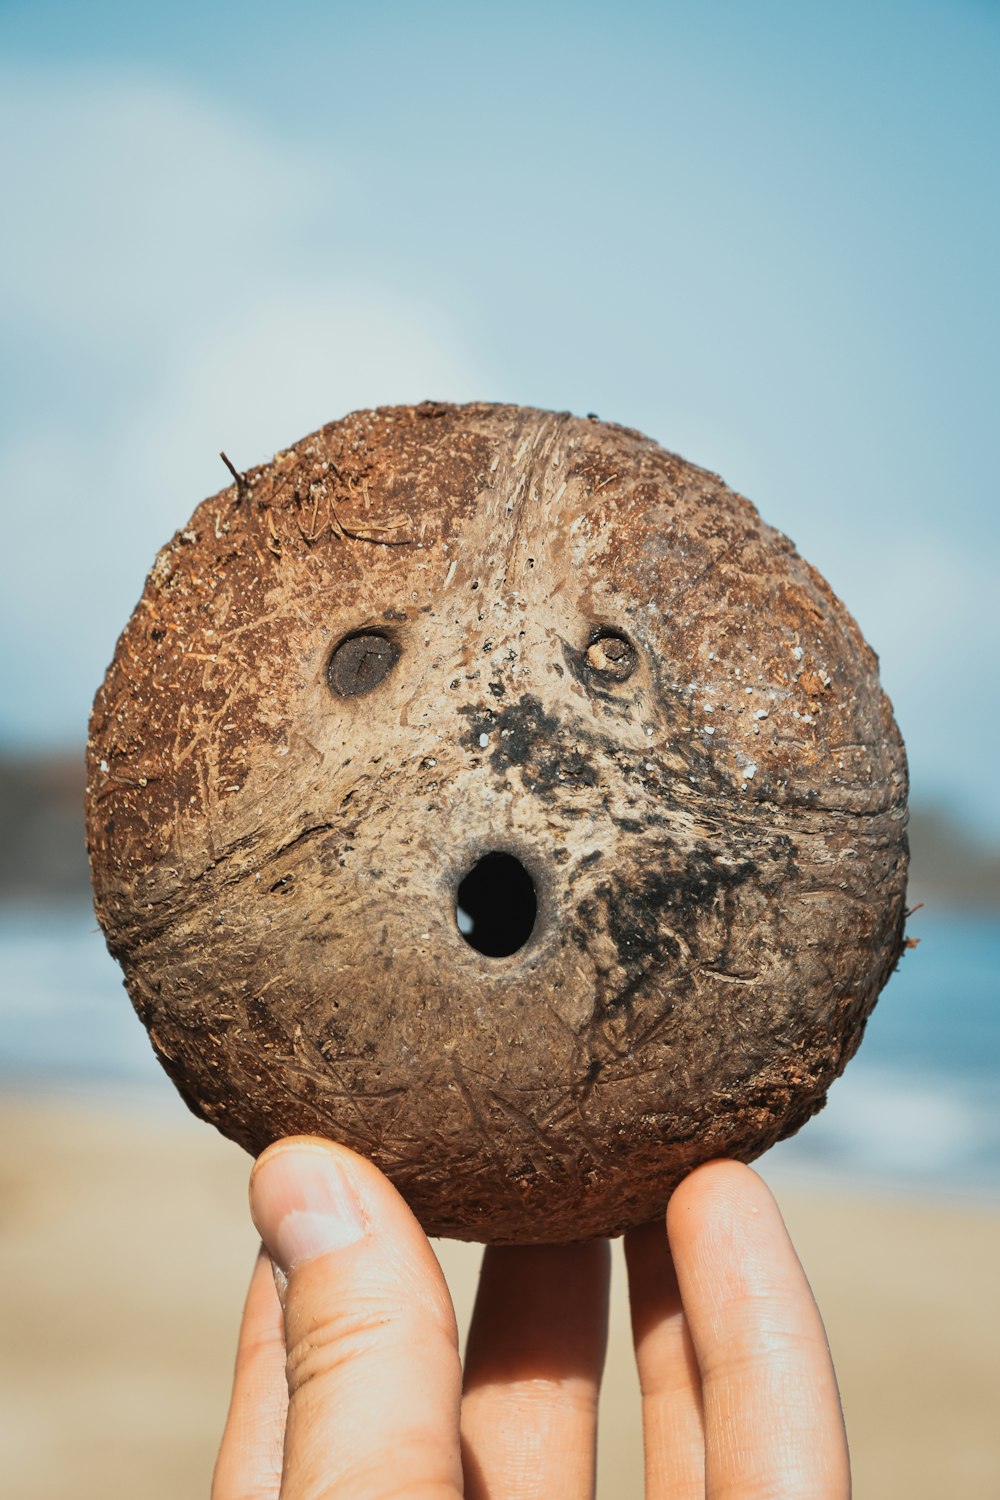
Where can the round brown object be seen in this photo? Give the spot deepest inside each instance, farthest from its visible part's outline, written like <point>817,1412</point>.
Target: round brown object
<point>536,665</point>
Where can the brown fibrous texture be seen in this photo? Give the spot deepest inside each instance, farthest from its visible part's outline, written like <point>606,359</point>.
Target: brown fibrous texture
<point>599,660</point>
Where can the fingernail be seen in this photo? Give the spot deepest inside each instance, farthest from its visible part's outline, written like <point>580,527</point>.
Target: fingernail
<point>303,1205</point>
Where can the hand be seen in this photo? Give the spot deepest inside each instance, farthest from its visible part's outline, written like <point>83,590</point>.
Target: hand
<point>739,1395</point>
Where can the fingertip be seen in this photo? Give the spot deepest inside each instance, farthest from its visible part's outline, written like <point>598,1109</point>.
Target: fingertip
<point>295,1144</point>
<point>714,1184</point>
<point>295,1153</point>
<point>304,1157</point>
<point>721,1170</point>
<point>310,1196</point>
<point>304,1202</point>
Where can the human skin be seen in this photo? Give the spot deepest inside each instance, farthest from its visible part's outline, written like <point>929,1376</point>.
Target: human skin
<point>348,1380</point>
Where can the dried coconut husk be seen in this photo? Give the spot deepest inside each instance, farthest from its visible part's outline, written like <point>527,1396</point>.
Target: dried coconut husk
<point>425,635</point>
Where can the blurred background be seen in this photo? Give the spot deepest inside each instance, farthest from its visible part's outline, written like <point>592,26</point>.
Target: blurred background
<point>766,235</point>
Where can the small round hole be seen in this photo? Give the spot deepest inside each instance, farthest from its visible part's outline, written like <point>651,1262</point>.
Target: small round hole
<point>611,654</point>
<point>360,662</point>
<point>496,905</point>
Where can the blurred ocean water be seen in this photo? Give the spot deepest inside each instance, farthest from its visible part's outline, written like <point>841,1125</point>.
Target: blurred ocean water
<point>918,1108</point>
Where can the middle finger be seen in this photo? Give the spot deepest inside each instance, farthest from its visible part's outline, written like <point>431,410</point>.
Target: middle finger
<point>533,1372</point>
<point>673,1425</point>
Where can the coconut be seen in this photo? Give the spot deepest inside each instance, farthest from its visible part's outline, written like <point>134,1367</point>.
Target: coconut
<point>493,791</point>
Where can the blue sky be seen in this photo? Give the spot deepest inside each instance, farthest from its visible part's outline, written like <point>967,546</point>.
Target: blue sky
<point>766,234</point>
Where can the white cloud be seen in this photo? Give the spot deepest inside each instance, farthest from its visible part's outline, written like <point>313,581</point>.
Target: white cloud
<point>923,604</point>
<point>920,602</point>
<point>292,364</point>
<point>133,209</point>
<point>168,246</point>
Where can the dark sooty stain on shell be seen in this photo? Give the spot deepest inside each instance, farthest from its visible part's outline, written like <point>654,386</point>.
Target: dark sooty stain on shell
<point>598,680</point>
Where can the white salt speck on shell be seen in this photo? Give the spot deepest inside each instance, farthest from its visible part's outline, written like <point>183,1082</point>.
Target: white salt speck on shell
<point>484,740</point>
<point>798,653</point>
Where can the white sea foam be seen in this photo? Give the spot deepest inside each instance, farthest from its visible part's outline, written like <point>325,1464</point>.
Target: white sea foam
<point>916,1129</point>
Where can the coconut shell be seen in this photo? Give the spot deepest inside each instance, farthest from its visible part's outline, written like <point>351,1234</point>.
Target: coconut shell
<point>426,635</point>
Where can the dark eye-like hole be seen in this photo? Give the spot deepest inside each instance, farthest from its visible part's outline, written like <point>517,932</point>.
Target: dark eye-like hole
<point>496,905</point>
<point>611,654</point>
<point>360,662</point>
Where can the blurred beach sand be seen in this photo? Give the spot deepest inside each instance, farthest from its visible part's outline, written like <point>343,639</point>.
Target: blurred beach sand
<point>125,1247</point>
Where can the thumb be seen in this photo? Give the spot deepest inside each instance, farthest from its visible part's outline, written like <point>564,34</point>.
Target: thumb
<point>374,1381</point>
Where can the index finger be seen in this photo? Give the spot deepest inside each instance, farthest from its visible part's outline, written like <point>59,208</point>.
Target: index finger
<point>773,1422</point>
<point>249,1463</point>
